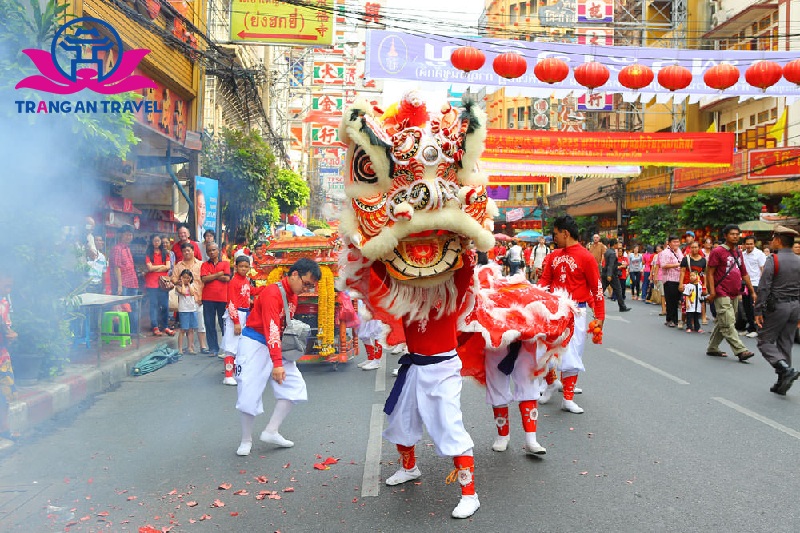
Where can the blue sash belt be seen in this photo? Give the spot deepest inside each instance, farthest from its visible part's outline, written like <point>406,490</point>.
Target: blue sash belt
<point>250,333</point>
<point>405,363</point>
<point>506,366</point>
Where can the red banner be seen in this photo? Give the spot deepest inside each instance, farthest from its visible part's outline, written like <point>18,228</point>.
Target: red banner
<point>600,148</point>
<point>690,178</point>
<point>774,163</point>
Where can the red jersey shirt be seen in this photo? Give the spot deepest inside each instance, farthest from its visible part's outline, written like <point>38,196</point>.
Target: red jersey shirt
<point>238,296</point>
<point>217,290</point>
<point>151,278</point>
<point>268,317</point>
<point>176,249</point>
<point>434,336</point>
<point>574,269</point>
<point>122,259</point>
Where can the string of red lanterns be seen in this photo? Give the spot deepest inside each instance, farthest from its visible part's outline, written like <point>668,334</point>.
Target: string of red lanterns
<point>510,65</point>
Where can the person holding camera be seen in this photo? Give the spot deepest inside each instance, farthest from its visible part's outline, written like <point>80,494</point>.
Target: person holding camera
<point>777,308</point>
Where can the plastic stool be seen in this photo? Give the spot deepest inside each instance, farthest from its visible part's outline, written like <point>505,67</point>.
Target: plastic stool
<point>124,328</point>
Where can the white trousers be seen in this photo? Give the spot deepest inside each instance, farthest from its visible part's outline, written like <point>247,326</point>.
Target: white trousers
<point>230,341</point>
<point>572,357</point>
<point>498,385</point>
<point>431,396</point>
<point>253,369</point>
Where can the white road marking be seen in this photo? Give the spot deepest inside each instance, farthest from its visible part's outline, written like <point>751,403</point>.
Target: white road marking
<point>648,367</point>
<point>380,376</point>
<point>756,416</point>
<point>617,318</point>
<point>370,483</point>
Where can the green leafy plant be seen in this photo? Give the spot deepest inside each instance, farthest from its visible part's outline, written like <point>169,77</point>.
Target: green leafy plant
<point>245,167</point>
<point>791,205</point>
<point>292,192</point>
<point>316,223</point>
<point>653,224</point>
<point>728,204</point>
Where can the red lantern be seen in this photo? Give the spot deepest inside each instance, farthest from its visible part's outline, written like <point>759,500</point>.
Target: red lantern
<point>551,70</point>
<point>510,65</point>
<point>721,76</point>
<point>636,76</point>
<point>763,74</point>
<point>467,58</point>
<point>674,77</point>
<point>792,72</point>
<point>591,74</point>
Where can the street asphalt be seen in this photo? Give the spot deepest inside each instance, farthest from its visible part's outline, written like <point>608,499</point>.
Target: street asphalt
<point>672,440</point>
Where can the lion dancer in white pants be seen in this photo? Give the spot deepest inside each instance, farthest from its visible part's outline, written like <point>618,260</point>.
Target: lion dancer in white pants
<point>369,332</point>
<point>259,359</point>
<point>235,314</point>
<point>503,367</point>
<point>573,269</point>
<point>428,392</point>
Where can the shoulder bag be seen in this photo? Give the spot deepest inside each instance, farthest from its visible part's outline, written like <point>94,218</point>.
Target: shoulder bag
<point>295,335</point>
<point>165,284</point>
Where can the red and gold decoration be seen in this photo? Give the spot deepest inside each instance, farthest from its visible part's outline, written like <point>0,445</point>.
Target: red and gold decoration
<point>636,76</point>
<point>721,76</point>
<point>674,77</point>
<point>510,65</point>
<point>326,312</point>
<point>467,58</point>
<point>791,71</point>
<point>551,70</point>
<point>585,148</point>
<point>763,74</point>
<point>592,74</point>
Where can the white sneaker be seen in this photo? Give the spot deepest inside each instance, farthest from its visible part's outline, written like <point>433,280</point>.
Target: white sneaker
<point>501,443</point>
<point>466,507</point>
<point>403,475</point>
<point>534,448</point>
<point>372,365</point>
<point>398,349</point>
<point>364,362</point>
<point>752,335</point>
<point>395,372</point>
<point>547,394</point>
<point>572,407</point>
<point>244,448</point>
<point>222,355</point>
<point>276,439</point>
<point>229,381</point>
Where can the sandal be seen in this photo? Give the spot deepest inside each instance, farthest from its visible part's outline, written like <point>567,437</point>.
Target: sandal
<point>717,354</point>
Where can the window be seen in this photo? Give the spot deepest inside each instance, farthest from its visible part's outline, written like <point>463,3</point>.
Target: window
<point>773,113</point>
<point>752,120</point>
<point>763,117</point>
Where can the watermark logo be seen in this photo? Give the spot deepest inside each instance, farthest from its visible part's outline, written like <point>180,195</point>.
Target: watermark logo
<point>77,61</point>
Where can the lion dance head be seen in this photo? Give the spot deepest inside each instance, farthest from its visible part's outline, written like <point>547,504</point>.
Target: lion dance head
<point>416,200</point>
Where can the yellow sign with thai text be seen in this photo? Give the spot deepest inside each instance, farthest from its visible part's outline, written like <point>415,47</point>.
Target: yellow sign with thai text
<point>308,22</point>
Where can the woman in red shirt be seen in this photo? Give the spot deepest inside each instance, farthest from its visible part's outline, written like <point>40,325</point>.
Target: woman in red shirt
<point>623,269</point>
<point>157,261</point>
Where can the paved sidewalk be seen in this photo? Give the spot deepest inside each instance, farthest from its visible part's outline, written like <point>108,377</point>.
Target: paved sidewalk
<point>82,379</point>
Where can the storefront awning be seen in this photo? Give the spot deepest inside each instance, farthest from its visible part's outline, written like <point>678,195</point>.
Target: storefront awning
<point>590,197</point>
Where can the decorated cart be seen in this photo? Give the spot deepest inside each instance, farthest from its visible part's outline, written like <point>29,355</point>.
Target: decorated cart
<point>330,341</point>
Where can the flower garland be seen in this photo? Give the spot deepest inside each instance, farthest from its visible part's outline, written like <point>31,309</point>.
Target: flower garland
<point>326,309</point>
<point>275,275</point>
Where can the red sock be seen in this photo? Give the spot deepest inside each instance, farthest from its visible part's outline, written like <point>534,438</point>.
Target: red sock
<point>569,386</point>
<point>378,350</point>
<point>370,352</point>
<point>551,376</point>
<point>465,468</point>
<point>501,420</point>
<point>529,414</point>
<point>407,457</point>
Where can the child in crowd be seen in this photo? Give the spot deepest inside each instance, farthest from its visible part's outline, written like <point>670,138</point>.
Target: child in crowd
<point>237,310</point>
<point>693,298</point>
<point>188,303</point>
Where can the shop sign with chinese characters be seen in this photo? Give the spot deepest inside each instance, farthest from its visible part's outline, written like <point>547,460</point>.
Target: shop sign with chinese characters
<point>278,22</point>
<point>323,135</point>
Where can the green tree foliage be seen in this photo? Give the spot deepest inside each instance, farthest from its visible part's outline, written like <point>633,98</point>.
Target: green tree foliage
<point>316,223</point>
<point>245,167</point>
<point>728,204</point>
<point>292,192</point>
<point>791,205</point>
<point>653,224</point>
<point>587,226</point>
